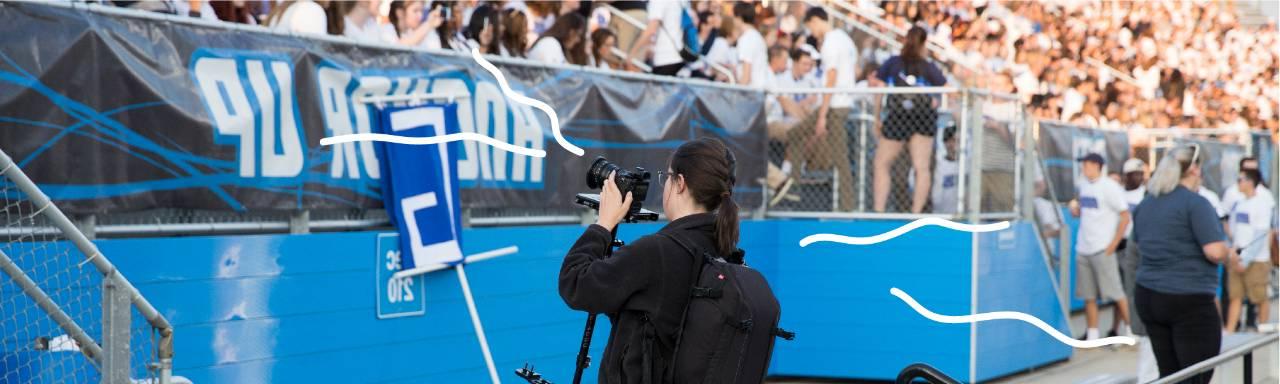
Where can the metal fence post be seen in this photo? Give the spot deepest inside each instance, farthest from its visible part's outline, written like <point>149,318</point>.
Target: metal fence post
<point>1026,167</point>
<point>973,109</point>
<point>300,222</point>
<point>116,319</point>
<point>88,225</point>
<point>862,155</point>
<point>45,206</point>
<point>1248,367</point>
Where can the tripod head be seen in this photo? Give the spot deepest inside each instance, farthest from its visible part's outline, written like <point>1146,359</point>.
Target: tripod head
<point>592,200</point>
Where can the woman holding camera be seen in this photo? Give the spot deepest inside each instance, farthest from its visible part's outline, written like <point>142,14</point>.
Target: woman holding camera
<point>644,286</point>
<point>1182,243</point>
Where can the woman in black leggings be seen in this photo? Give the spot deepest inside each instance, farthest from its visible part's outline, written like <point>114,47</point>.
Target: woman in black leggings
<point>1181,243</point>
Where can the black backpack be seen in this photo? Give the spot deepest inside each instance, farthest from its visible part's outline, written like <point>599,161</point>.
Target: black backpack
<point>913,108</point>
<point>727,330</point>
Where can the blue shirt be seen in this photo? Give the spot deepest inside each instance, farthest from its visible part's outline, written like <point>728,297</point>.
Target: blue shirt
<point>894,73</point>
<point>1171,231</point>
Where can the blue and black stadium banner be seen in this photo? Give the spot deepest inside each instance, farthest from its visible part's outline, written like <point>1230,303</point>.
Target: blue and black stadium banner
<point>114,113</point>
<point>1061,144</point>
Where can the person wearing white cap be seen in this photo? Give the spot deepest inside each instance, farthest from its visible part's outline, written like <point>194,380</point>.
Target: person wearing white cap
<point>1135,179</point>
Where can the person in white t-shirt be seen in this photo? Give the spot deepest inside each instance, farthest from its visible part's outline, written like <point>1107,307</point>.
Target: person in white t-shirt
<point>714,33</point>
<point>482,31</point>
<point>787,110</point>
<point>1214,201</point>
<point>360,22</point>
<point>778,62</point>
<point>1232,194</point>
<point>563,43</point>
<point>1104,218</point>
<point>303,16</point>
<point>1249,223</point>
<point>804,58</point>
<point>664,35</point>
<point>820,141</point>
<point>1134,178</point>
<point>603,42</point>
<point>753,55</point>
<point>407,27</point>
<point>945,195</point>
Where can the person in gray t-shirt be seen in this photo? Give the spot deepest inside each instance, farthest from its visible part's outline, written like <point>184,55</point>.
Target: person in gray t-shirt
<point>1181,243</point>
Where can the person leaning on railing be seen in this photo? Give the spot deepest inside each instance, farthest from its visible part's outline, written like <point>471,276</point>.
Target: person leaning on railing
<point>1181,242</point>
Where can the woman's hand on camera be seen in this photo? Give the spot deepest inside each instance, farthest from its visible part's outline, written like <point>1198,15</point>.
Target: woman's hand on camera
<point>613,207</point>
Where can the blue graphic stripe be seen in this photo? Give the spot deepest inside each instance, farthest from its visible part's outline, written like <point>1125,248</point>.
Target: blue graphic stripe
<point>75,127</point>
<point>74,192</point>
<point>92,136</point>
<point>591,143</point>
<point>83,112</point>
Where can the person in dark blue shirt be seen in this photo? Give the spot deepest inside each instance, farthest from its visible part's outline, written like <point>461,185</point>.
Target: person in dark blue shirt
<point>909,118</point>
<point>1181,243</point>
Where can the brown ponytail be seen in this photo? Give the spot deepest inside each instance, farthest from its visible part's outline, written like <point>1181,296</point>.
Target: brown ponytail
<point>709,170</point>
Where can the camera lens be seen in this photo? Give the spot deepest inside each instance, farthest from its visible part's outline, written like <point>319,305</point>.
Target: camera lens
<point>599,172</point>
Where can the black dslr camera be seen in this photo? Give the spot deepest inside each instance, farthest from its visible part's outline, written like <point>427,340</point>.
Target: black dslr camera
<point>636,182</point>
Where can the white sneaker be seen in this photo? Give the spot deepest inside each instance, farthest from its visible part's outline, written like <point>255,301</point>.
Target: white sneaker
<point>781,192</point>
<point>1125,331</point>
<point>1091,334</point>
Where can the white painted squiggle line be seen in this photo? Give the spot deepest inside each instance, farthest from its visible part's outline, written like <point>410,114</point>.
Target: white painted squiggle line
<point>1008,315</point>
<point>522,99</point>
<point>852,240</point>
<point>464,136</point>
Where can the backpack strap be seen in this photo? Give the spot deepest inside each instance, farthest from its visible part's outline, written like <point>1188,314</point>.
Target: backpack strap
<point>699,261</point>
<point>784,334</point>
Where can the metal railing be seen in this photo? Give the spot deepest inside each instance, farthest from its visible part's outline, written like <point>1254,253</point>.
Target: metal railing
<point>942,52</point>
<point>34,261</point>
<point>848,173</point>
<point>1244,352</point>
<point>615,12</point>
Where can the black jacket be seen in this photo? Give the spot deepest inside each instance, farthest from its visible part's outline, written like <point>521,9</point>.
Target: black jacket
<point>643,288</point>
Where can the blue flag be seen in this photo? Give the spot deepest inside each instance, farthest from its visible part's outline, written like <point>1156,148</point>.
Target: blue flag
<point>420,184</point>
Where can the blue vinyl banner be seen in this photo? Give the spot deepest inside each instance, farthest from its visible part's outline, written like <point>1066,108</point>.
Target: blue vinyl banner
<point>1061,144</point>
<point>420,183</point>
<point>173,115</point>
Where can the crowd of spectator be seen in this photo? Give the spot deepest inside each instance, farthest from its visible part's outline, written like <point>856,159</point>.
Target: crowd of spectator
<point>1112,64</point>
<point>1120,65</point>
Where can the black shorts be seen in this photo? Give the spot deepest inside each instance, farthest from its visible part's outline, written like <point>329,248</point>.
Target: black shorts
<point>900,127</point>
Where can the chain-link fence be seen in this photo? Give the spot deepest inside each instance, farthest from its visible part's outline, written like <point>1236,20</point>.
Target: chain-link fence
<point>886,152</point>
<point>1000,124</point>
<point>66,314</point>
